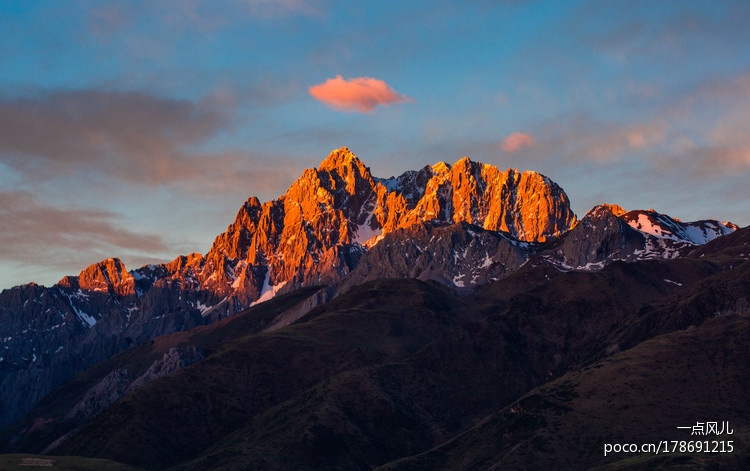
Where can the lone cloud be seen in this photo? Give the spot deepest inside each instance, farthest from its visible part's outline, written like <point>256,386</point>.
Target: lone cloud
<point>361,94</point>
<point>516,142</point>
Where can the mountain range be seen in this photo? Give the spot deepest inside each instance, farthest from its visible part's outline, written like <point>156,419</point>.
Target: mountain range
<point>357,322</point>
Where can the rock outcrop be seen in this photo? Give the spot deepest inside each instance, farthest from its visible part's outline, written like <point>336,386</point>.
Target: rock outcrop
<point>111,388</point>
<point>120,383</point>
<point>600,236</point>
<point>460,255</point>
<point>175,359</point>
<point>109,276</point>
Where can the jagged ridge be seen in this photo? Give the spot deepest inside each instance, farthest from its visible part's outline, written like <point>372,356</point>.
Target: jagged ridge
<point>317,231</point>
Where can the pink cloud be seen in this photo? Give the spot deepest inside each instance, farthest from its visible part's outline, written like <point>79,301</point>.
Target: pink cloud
<point>361,94</point>
<point>516,142</point>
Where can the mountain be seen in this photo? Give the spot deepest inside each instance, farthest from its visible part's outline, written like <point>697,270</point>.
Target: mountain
<point>313,234</point>
<point>538,369</point>
<point>463,225</point>
<point>50,333</point>
<point>98,387</point>
<point>677,362</point>
<point>108,276</point>
<point>609,233</point>
<point>319,229</point>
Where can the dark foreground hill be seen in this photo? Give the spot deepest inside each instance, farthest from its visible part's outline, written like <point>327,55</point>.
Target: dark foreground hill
<point>638,396</point>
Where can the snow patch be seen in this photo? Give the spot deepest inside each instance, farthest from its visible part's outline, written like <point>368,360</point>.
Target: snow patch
<point>205,312</point>
<point>486,262</point>
<point>138,275</point>
<point>268,291</point>
<point>85,318</point>
<point>647,226</point>
<point>237,272</point>
<point>202,307</point>
<point>365,233</point>
<point>457,281</point>
<point>664,227</point>
<point>390,184</point>
<point>705,232</point>
<point>592,266</point>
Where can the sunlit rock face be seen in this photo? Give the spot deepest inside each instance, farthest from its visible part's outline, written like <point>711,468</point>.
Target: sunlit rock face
<point>528,206</point>
<point>109,276</point>
<point>319,229</point>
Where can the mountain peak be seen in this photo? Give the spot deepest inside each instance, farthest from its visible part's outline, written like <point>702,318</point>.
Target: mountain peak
<point>339,158</point>
<point>466,165</point>
<point>616,209</point>
<point>440,168</point>
<point>662,226</point>
<point>605,210</point>
<point>108,275</point>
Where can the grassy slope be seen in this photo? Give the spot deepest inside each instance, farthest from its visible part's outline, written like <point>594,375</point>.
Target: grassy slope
<point>195,407</point>
<point>640,395</point>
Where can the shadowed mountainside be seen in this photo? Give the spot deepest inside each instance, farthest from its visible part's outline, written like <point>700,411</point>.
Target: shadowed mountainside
<point>637,396</point>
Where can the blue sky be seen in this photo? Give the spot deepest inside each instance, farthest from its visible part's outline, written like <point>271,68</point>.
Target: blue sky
<point>137,129</point>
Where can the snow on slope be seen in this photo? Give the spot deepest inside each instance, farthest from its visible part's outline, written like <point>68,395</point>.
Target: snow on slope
<point>664,227</point>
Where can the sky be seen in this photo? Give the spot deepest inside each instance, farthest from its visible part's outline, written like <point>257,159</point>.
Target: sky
<point>136,129</point>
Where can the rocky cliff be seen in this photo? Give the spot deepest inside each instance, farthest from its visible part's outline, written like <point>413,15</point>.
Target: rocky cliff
<point>319,229</point>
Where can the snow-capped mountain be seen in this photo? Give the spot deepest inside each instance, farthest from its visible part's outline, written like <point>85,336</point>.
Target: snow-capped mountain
<point>462,225</point>
<point>609,233</point>
<point>664,227</point>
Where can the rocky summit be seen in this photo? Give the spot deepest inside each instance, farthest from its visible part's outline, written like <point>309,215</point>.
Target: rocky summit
<point>463,225</point>
<point>318,230</point>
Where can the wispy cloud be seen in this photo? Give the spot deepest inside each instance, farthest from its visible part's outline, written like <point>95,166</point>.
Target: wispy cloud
<point>360,94</point>
<point>709,124</point>
<point>719,160</point>
<point>39,233</point>
<point>579,137</point>
<point>672,34</point>
<point>130,137</point>
<point>105,21</point>
<point>203,15</point>
<point>516,142</point>
<point>135,135</point>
